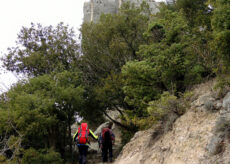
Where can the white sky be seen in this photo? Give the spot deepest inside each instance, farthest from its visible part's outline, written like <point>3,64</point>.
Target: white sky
<point>17,13</point>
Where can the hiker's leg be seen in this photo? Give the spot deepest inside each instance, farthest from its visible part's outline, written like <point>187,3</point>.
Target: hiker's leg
<point>84,154</point>
<point>105,152</point>
<point>110,152</point>
<point>102,154</point>
<point>80,154</point>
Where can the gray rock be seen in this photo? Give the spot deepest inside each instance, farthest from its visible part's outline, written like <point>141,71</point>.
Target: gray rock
<point>87,11</point>
<point>226,101</point>
<point>92,10</point>
<point>209,105</point>
<point>218,105</point>
<point>98,130</point>
<point>114,114</point>
<point>93,147</point>
<point>202,100</point>
<point>215,144</point>
<point>223,124</point>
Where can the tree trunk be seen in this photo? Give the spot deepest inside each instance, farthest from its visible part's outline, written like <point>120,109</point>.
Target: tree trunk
<point>70,138</point>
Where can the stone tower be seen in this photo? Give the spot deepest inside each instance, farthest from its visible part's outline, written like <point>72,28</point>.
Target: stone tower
<point>94,8</point>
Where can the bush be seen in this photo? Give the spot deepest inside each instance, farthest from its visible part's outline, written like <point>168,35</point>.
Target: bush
<point>223,85</point>
<point>166,104</point>
<point>2,159</point>
<point>126,136</point>
<point>49,156</point>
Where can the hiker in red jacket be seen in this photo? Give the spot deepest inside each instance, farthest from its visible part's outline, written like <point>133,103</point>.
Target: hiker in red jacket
<point>106,140</point>
<point>82,139</point>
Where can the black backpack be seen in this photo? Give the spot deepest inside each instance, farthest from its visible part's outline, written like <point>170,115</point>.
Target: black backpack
<point>106,135</point>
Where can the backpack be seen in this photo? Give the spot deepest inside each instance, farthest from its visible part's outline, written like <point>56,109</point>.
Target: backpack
<point>83,134</point>
<point>106,135</point>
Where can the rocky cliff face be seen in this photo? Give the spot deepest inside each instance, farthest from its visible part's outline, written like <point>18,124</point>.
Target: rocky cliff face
<point>200,136</point>
<point>94,8</point>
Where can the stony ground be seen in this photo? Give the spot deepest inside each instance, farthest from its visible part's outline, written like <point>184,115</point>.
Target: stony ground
<point>192,140</point>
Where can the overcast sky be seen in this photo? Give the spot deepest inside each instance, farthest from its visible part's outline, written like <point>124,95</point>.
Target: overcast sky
<point>17,13</point>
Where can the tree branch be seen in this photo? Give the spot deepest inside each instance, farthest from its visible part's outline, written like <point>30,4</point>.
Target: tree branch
<point>119,124</point>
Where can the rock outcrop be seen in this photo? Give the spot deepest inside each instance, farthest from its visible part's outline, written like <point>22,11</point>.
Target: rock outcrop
<point>94,8</point>
<point>200,136</point>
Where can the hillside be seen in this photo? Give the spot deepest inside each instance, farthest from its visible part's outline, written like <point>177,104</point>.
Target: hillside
<point>200,136</point>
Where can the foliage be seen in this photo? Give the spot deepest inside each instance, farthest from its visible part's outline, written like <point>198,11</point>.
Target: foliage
<point>41,156</point>
<point>196,11</point>
<point>41,50</point>
<point>221,27</point>
<point>223,85</point>
<point>107,45</point>
<point>126,136</point>
<point>139,85</point>
<point>110,93</point>
<point>164,105</point>
<point>42,110</point>
<point>110,43</point>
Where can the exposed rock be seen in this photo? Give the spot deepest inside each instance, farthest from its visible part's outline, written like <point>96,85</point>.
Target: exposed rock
<point>197,137</point>
<point>209,105</point>
<point>98,130</point>
<point>203,99</point>
<point>218,105</point>
<point>185,144</point>
<point>94,8</point>
<point>215,144</point>
<point>226,101</point>
<point>114,114</point>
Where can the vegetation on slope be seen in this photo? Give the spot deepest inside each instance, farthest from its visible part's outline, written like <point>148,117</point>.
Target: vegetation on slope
<point>133,62</point>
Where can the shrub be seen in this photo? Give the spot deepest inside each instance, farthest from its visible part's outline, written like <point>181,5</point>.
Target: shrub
<point>2,158</point>
<point>159,108</point>
<point>223,85</point>
<point>126,136</point>
<point>49,156</point>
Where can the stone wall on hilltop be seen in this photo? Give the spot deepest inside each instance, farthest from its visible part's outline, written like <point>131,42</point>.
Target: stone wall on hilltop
<point>94,8</point>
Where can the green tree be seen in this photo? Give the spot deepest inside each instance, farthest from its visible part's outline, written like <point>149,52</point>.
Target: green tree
<point>196,12</point>
<point>41,50</point>
<point>170,61</point>
<point>41,111</point>
<point>221,28</point>
<point>107,45</point>
<point>140,85</point>
<point>110,43</point>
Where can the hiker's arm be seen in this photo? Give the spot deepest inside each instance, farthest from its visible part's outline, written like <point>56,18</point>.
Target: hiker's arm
<point>100,141</point>
<point>113,137</point>
<point>75,135</point>
<point>93,135</point>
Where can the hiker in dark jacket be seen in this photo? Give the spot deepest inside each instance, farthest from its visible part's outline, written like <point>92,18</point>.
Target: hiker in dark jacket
<point>81,137</point>
<point>106,140</point>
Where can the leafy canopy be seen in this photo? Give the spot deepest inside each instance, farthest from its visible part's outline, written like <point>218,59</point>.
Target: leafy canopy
<point>41,50</point>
